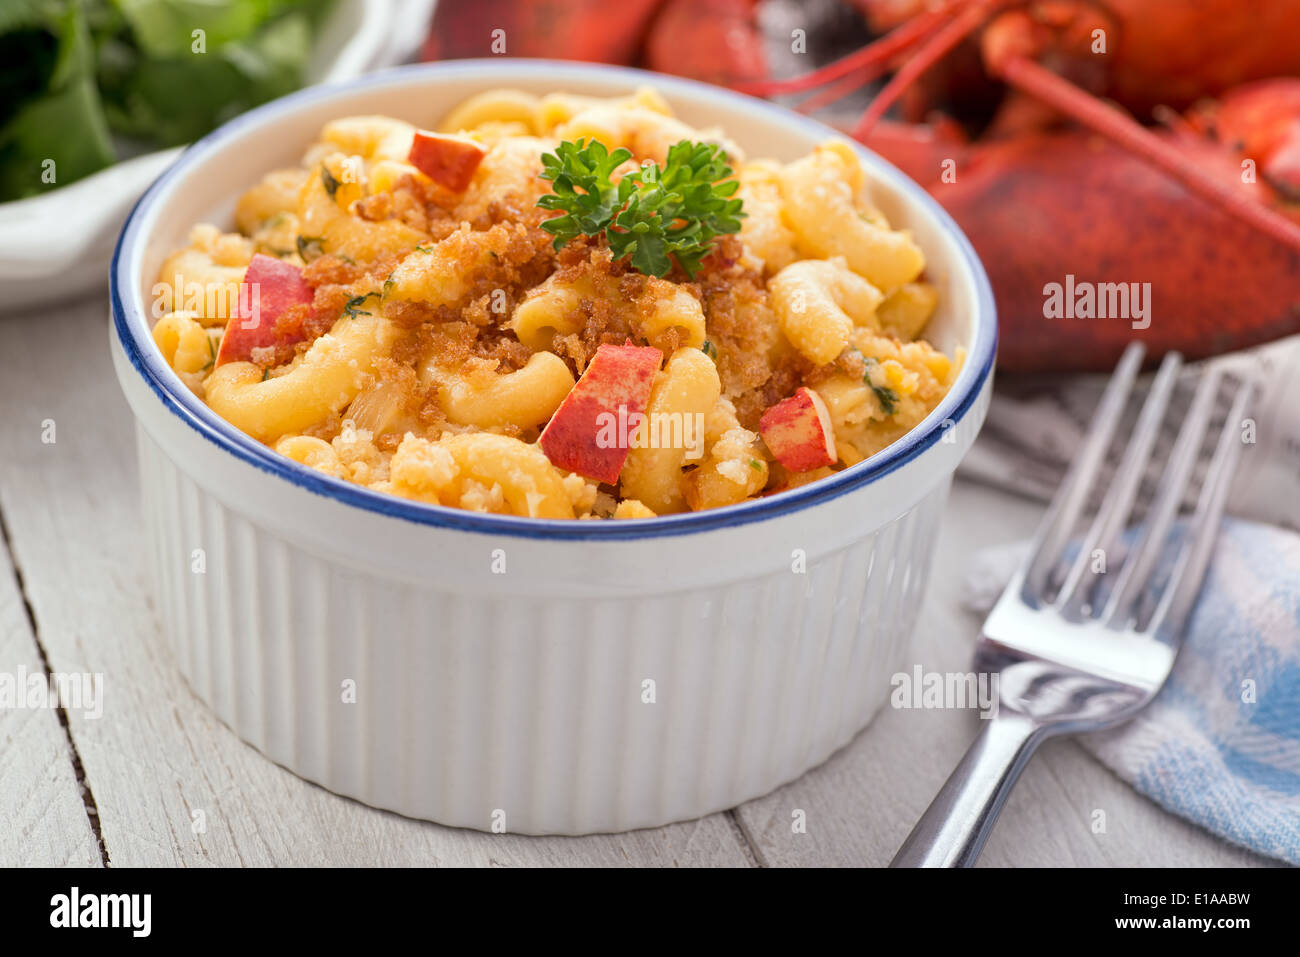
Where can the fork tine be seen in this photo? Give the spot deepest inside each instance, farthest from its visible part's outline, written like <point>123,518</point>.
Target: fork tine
<point>1133,576</point>
<point>1071,497</point>
<point>1113,512</point>
<point>1194,557</point>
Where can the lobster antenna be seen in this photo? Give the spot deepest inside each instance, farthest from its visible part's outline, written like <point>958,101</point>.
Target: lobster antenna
<point>935,47</point>
<point>1174,121</point>
<point>873,58</point>
<point>842,88</point>
<point>1119,128</point>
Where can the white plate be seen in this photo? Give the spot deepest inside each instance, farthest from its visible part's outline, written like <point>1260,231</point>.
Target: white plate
<point>58,245</point>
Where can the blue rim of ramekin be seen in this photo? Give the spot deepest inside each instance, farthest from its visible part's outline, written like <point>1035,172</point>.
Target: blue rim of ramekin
<point>190,409</point>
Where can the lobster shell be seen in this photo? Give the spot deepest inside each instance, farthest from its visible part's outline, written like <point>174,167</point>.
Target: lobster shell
<point>1158,52</point>
<point>1040,207</point>
<point>717,41</point>
<point>568,29</point>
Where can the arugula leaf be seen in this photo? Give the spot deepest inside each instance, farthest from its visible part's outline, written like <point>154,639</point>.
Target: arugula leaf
<point>655,215</point>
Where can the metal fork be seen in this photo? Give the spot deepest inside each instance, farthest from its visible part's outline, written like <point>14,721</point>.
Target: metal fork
<point>1077,647</point>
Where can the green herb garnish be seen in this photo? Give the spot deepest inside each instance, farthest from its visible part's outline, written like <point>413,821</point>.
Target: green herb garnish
<point>887,397</point>
<point>212,356</point>
<point>310,247</point>
<point>654,215</point>
<point>710,350</point>
<point>328,180</point>
<point>353,307</point>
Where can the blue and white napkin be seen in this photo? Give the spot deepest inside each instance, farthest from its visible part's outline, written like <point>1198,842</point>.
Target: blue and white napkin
<point>1220,745</point>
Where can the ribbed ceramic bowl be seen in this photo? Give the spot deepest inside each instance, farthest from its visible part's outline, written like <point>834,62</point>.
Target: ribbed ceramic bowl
<point>541,676</point>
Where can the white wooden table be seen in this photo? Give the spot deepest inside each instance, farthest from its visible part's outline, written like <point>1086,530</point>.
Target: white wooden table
<point>126,789</point>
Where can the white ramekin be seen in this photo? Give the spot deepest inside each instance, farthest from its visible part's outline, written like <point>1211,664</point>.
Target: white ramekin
<point>541,676</point>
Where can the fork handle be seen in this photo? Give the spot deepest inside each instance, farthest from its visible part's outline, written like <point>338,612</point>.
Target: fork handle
<point>954,827</point>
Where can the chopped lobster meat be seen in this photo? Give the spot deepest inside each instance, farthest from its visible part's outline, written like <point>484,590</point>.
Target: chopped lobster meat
<point>591,431</point>
<point>449,161</point>
<point>271,288</point>
<point>798,431</point>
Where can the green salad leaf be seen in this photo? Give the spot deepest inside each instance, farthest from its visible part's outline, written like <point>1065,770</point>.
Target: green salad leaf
<point>86,79</point>
<point>52,129</point>
<point>165,28</point>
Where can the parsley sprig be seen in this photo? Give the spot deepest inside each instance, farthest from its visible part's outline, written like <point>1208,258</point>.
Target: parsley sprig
<point>654,215</point>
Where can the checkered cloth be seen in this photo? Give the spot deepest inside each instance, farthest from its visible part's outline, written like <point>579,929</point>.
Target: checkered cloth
<point>1220,745</point>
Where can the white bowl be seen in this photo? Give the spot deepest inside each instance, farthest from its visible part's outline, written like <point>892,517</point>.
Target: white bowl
<point>523,699</point>
<point>57,245</point>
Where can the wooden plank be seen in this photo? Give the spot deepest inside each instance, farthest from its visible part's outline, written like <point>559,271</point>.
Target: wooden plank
<point>43,820</point>
<point>862,803</point>
<point>158,755</point>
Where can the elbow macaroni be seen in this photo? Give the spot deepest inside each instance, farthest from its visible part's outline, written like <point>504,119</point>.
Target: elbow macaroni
<point>656,311</point>
<point>734,469</point>
<point>370,137</point>
<point>647,133</point>
<point>764,230</point>
<point>443,331</point>
<point>203,279</point>
<point>326,379</point>
<point>481,469</point>
<point>330,220</point>
<point>683,393</point>
<point>818,303</point>
<point>526,398</point>
<point>818,193</point>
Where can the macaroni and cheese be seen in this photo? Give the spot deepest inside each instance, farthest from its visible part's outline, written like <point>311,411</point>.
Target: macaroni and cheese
<point>393,313</point>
